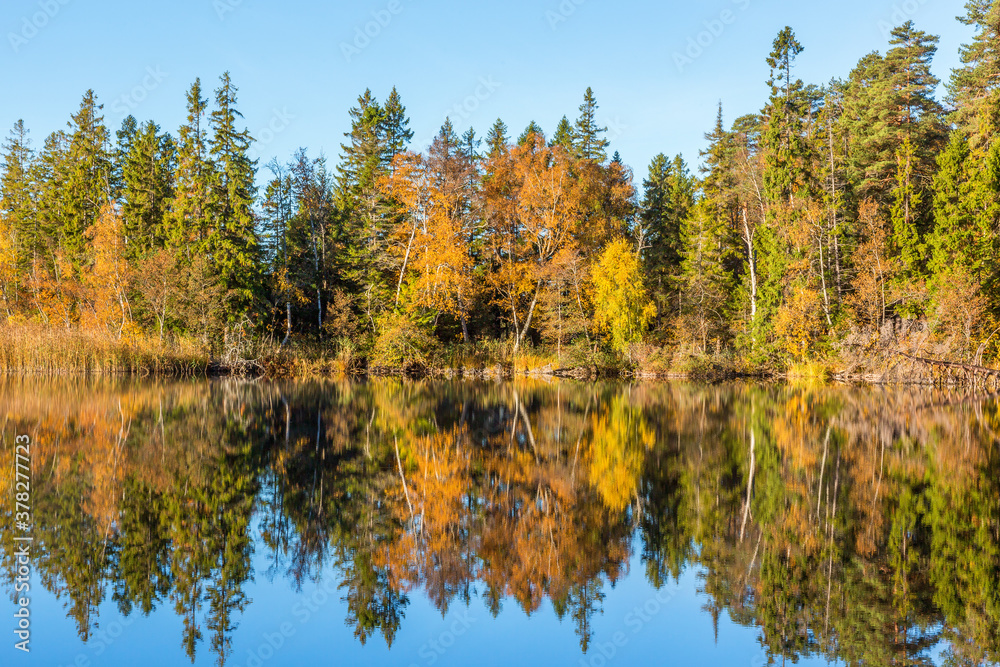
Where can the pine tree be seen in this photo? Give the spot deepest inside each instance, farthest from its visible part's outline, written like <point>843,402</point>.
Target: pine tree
<point>363,164</point>
<point>703,283</point>
<point>190,211</point>
<point>147,189</point>
<point>88,185</point>
<point>667,201</point>
<point>395,126</point>
<point>496,139</point>
<point>973,89</point>
<point>17,194</point>
<point>532,133</point>
<point>563,135</point>
<point>233,239</point>
<point>123,145</point>
<point>888,101</point>
<point>588,138</point>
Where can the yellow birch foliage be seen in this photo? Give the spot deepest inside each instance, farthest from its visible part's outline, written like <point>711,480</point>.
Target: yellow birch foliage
<point>107,281</point>
<point>622,308</point>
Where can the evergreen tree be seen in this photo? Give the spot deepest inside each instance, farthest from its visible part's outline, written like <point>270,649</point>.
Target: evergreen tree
<point>17,194</point>
<point>588,138</point>
<point>703,283</point>
<point>187,221</point>
<point>973,89</point>
<point>88,177</point>
<point>147,180</point>
<point>123,145</point>
<point>953,239</point>
<point>496,139</point>
<point>667,201</point>
<point>906,204</point>
<point>563,135</point>
<point>785,156</point>
<point>785,151</point>
<point>531,133</point>
<point>363,163</point>
<point>395,126</point>
<point>233,239</point>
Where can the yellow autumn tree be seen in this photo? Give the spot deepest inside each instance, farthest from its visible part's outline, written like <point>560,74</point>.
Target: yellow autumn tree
<point>622,308</point>
<point>434,240</point>
<point>107,280</point>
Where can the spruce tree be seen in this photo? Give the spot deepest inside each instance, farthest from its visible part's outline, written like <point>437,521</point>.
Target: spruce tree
<point>953,239</point>
<point>974,91</point>
<point>233,240</point>
<point>531,133</point>
<point>147,188</point>
<point>88,177</point>
<point>786,158</point>
<point>395,126</point>
<point>497,139</point>
<point>667,201</point>
<point>703,283</point>
<point>783,143</point>
<point>906,206</point>
<point>187,221</point>
<point>563,135</point>
<point>588,138</point>
<point>363,233</point>
<point>17,196</point>
<point>123,145</point>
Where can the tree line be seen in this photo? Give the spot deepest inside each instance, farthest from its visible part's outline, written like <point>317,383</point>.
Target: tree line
<point>859,214</point>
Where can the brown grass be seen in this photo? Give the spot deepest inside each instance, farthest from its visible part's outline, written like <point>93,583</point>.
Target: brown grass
<point>27,349</point>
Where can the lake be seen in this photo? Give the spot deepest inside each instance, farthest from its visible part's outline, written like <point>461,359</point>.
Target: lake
<point>494,523</point>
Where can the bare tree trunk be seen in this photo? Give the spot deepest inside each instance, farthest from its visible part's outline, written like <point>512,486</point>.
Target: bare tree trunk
<point>753,462</point>
<point>527,322</point>
<point>288,322</point>
<point>752,263</point>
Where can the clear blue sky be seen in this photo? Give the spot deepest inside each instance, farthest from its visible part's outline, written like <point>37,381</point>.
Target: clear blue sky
<point>537,57</point>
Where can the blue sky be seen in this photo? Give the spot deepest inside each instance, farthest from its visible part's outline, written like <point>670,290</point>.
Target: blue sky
<point>300,64</point>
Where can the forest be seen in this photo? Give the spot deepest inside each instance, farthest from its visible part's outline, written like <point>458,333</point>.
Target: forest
<point>840,224</point>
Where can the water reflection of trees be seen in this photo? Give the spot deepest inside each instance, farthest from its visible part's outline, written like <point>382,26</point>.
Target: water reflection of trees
<point>848,523</point>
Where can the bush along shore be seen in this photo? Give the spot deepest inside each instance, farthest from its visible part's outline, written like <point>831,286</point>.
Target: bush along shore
<point>35,350</point>
<point>836,230</point>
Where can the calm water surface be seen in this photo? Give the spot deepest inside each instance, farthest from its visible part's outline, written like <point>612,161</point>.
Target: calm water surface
<point>528,523</point>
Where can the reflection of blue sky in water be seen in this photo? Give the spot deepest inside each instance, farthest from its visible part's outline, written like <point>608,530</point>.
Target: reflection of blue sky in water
<point>677,632</point>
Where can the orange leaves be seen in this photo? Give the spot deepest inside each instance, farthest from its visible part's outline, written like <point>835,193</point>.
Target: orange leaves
<point>433,243</point>
<point>108,280</point>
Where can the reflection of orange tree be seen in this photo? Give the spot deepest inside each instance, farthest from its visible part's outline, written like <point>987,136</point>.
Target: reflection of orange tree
<point>515,508</point>
<point>146,487</point>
